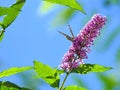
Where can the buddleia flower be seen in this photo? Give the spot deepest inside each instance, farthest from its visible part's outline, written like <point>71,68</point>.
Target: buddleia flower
<point>82,42</point>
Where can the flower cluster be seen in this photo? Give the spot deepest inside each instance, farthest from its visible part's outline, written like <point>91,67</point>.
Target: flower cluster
<point>82,42</point>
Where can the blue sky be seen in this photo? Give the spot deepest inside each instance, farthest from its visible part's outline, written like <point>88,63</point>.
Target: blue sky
<point>31,37</point>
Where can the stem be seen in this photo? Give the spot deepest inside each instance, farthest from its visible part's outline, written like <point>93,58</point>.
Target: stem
<point>1,33</point>
<point>64,81</point>
<point>71,31</point>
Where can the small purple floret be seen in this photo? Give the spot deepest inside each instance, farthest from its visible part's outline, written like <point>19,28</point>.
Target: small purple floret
<point>82,42</point>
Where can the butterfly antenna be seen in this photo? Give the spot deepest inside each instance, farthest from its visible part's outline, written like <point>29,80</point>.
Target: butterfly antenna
<point>71,30</point>
<point>67,36</point>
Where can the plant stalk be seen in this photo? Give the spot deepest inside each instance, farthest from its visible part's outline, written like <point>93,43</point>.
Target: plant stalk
<point>2,31</point>
<point>64,81</point>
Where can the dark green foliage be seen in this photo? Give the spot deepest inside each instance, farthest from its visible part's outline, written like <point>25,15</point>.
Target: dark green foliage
<point>10,86</point>
<point>86,68</point>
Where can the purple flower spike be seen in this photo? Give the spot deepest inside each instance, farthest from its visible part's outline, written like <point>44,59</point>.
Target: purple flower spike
<point>82,42</point>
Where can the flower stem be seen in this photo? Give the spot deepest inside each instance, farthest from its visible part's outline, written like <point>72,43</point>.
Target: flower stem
<point>64,81</point>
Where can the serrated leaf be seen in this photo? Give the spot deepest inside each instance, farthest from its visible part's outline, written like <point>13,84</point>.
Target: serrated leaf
<point>10,13</point>
<point>87,68</point>
<point>71,3</point>
<point>14,70</point>
<point>48,74</point>
<point>10,86</point>
<point>74,88</point>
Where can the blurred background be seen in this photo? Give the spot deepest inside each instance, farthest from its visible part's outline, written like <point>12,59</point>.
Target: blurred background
<point>34,36</point>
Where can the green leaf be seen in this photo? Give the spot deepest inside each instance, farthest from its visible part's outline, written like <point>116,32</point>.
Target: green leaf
<point>118,56</point>
<point>74,88</point>
<point>109,82</point>
<point>60,71</point>
<point>79,81</point>
<point>71,3</point>
<point>110,2</point>
<point>86,68</point>
<point>63,16</point>
<point>48,74</point>
<point>27,80</point>
<point>10,13</point>
<point>10,86</point>
<point>46,7</point>
<point>14,70</point>
<point>111,37</point>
